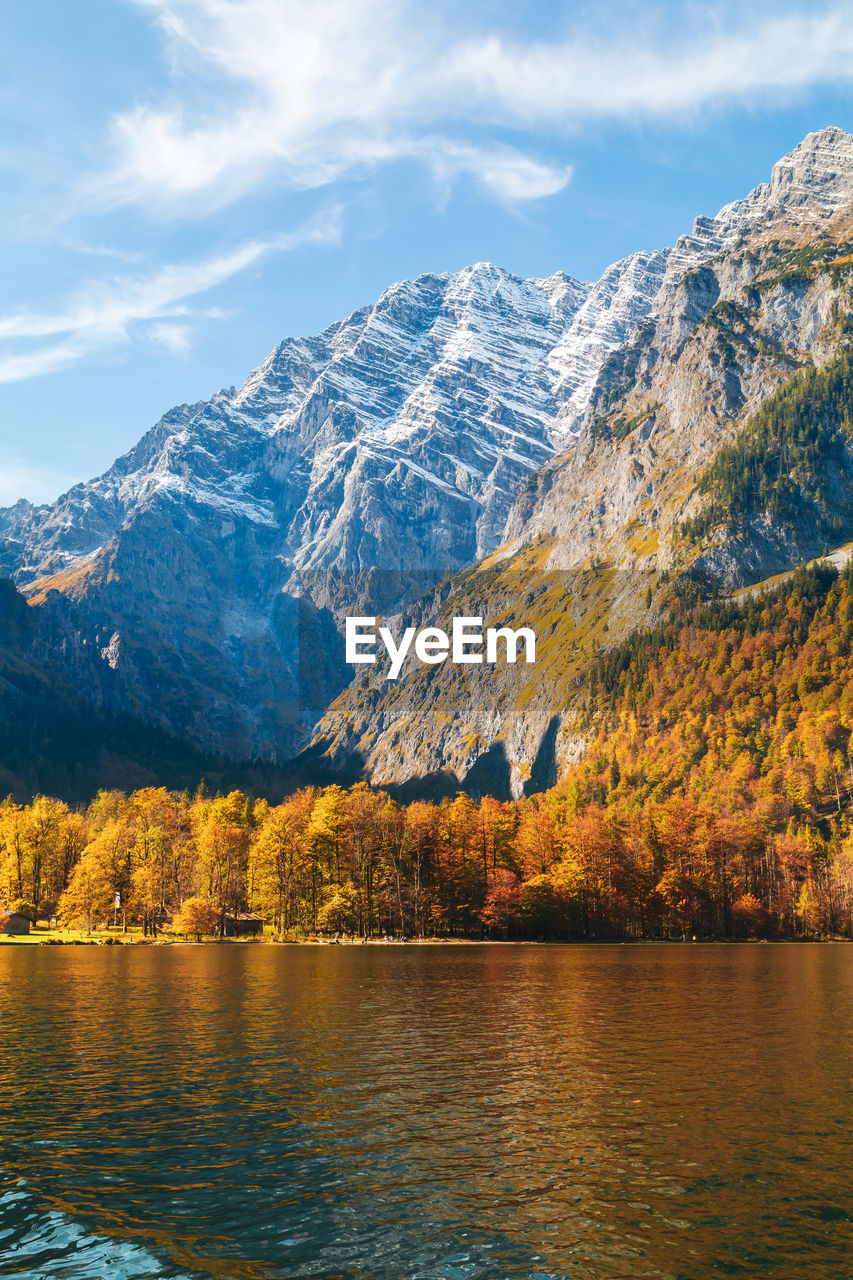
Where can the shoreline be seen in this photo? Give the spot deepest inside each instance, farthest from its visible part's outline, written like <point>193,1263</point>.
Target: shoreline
<point>28,940</point>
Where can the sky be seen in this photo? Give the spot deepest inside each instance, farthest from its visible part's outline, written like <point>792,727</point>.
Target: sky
<point>184,183</point>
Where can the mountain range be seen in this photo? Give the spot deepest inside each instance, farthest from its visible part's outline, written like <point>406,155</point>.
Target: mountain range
<point>550,452</point>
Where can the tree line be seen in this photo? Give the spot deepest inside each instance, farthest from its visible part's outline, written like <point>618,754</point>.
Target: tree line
<point>558,865</point>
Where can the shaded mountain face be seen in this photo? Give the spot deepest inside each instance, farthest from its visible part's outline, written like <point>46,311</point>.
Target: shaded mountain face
<point>528,426</point>
<point>54,740</point>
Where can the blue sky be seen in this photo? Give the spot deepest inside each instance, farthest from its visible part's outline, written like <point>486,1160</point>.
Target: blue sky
<point>185,182</point>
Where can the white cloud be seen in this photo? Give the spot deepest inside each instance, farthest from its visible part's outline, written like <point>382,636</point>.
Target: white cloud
<point>501,171</point>
<point>574,81</point>
<point>307,93</point>
<point>176,338</point>
<point>103,314</point>
<point>94,250</point>
<point>32,364</point>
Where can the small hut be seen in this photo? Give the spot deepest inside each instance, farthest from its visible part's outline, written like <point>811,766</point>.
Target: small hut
<point>12,923</point>
<point>243,924</point>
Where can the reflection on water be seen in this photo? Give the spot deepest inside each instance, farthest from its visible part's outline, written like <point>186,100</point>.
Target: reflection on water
<point>426,1112</point>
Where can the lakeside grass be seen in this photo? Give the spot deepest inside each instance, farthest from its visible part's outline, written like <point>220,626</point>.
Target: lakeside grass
<point>43,935</point>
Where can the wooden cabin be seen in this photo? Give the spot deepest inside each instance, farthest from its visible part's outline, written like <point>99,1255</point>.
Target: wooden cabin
<point>243,924</point>
<point>13,924</point>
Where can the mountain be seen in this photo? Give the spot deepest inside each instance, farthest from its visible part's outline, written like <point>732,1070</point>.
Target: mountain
<point>358,465</point>
<point>715,449</point>
<point>542,442</point>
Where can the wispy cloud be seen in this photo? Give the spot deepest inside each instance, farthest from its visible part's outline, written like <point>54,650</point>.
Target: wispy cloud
<point>308,93</point>
<point>501,171</point>
<point>584,79</point>
<point>305,94</point>
<point>105,314</point>
<point>61,241</point>
<point>22,479</point>
<point>176,338</point>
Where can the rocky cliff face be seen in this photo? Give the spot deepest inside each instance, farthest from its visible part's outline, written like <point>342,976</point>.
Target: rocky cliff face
<point>721,338</point>
<point>551,431</point>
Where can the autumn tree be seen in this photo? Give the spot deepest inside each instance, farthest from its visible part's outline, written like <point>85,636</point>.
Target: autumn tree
<point>281,853</point>
<point>222,842</point>
<point>197,916</point>
<point>502,906</point>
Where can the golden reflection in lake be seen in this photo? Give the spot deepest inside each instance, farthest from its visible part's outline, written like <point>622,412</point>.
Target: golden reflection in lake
<point>427,1111</point>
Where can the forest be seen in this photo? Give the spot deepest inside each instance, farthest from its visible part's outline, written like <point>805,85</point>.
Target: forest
<point>790,460</point>
<point>715,800</point>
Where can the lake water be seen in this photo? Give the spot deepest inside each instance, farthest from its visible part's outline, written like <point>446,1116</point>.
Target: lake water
<point>436,1112</point>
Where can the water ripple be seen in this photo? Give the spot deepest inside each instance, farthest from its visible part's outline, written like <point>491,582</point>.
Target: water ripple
<point>426,1113</point>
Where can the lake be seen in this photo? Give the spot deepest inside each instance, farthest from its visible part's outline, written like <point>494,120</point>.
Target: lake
<point>426,1111</point>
